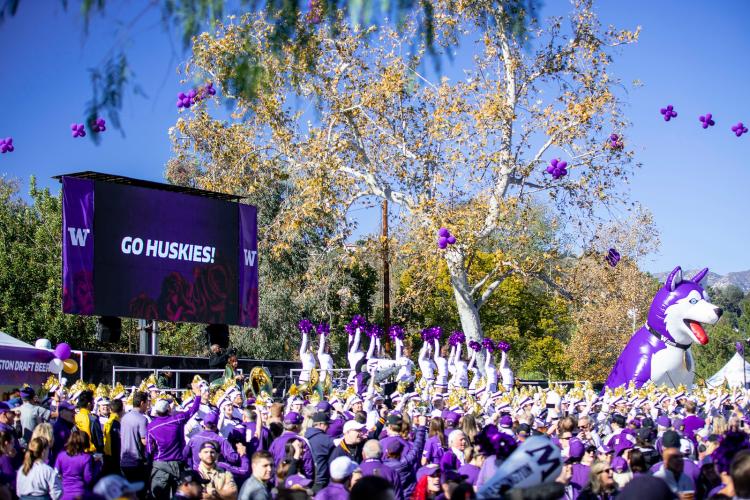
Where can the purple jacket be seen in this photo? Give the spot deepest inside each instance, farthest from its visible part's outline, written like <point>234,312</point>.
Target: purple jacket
<point>692,424</point>
<point>77,473</point>
<point>7,472</point>
<point>336,429</point>
<point>240,472</point>
<point>193,447</point>
<point>278,450</point>
<point>333,491</point>
<point>375,467</point>
<point>165,434</point>
<point>409,463</point>
<point>433,451</point>
<point>384,442</point>
<point>61,432</point>
<point>579,478</point>
<point>690,469</point>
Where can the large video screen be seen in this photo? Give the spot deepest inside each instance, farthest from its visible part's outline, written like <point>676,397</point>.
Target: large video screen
<point>152,254</point>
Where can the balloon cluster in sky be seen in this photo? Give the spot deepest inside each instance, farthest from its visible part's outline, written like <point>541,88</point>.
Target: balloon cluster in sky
<point>556,168</point>
<point>6,145</point>
<point>195,95</point>
<point>668,113</point>
<point>739,129</point>
<point>96,126</point>
<point>445,238</point>
<point>615,142</point>
<point>706,120</point>
<point>77,130</point>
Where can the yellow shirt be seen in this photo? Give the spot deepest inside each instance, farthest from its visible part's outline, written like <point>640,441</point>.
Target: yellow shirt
<point>83,422</point>
<point>113,417</point>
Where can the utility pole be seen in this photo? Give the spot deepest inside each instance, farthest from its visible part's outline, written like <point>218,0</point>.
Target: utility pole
<point>386,275</point>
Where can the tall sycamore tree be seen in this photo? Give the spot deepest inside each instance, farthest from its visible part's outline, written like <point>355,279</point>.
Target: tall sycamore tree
<point>357,118</point>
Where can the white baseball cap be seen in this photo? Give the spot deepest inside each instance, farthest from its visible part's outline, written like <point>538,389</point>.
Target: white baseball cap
<point>353,425</point>
<point>342,467</point>
<point>114,486</point>
<point>161,406</point>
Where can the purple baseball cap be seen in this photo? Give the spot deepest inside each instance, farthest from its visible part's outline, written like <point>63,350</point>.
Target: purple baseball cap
<point>64,405</point>
<point>324,406</point>
<point>293,418</point>
<point>394,447</point>
<point>297,480</point>
<point>428,470</point>
<point>663,420</point>
<point>506,421</point>
<point>4,407</point>
<point>576,449</point>
<point>211,418</point>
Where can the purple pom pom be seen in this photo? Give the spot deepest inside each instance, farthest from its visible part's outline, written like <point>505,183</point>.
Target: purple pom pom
<point>503,346</point>
<point>476,346</point>
<point>457,337</point>
<point>493,442</point>
<point>356,322</point>
<point>488,344</point>
<point>323,328</point>
<point>396,332</point>
<point>374,331</point>
<point>305,325</point>
<point>431,333</point>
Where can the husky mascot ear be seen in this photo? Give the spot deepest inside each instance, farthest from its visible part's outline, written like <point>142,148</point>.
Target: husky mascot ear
<point>674,279</point>
<point>699,277</point>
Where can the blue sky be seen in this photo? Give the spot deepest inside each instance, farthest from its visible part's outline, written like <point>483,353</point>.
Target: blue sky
<point>690,54</point>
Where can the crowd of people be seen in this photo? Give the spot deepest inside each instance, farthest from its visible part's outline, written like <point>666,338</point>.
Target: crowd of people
<point>430,439</point>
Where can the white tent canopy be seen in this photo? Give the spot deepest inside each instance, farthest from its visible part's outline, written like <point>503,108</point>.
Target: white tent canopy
<point>731,373</point>
<point>8,341</point>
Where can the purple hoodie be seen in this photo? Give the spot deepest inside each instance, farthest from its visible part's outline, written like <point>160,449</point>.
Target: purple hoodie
<point>76,472</point>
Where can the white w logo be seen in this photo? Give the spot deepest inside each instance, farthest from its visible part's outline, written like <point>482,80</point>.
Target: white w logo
<point>78,236</point>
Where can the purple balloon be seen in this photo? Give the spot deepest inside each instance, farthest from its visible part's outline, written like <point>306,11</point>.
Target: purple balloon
<point>451,239</point>
<point>62,351</point>
<point>443,232</point>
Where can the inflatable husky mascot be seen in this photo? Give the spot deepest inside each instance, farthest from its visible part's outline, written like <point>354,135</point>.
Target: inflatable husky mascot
<point>660,351</point>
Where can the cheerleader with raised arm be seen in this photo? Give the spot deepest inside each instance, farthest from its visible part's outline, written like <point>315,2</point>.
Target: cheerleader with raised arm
<point>505,371</point>
<point>456,365</point>
<point>324,351</point>
<point>490,370</point>
<point>355,355</point>
<point>305,353</point>
<point>441,383</point>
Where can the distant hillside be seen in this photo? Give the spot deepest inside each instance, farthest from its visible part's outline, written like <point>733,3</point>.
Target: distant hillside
<point>739,278</point>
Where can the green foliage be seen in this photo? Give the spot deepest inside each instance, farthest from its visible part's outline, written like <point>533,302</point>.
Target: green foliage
<point>729,298</point>
<point>535,322</point>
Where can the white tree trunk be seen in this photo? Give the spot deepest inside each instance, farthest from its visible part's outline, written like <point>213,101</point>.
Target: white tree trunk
<point>468,313</point>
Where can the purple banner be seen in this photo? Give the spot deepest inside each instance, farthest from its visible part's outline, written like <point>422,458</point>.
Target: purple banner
<point>20,366</point>
<point>78,246</point>
<point>248,269</point>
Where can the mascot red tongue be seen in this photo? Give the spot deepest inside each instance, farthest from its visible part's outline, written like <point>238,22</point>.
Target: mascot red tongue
<point>698,331</point>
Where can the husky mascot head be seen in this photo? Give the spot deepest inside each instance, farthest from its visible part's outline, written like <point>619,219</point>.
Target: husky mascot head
<point>680,308</point>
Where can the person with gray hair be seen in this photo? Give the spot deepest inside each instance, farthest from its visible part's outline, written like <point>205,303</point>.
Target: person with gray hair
<point>454,457</point>
<point>372,465</point>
